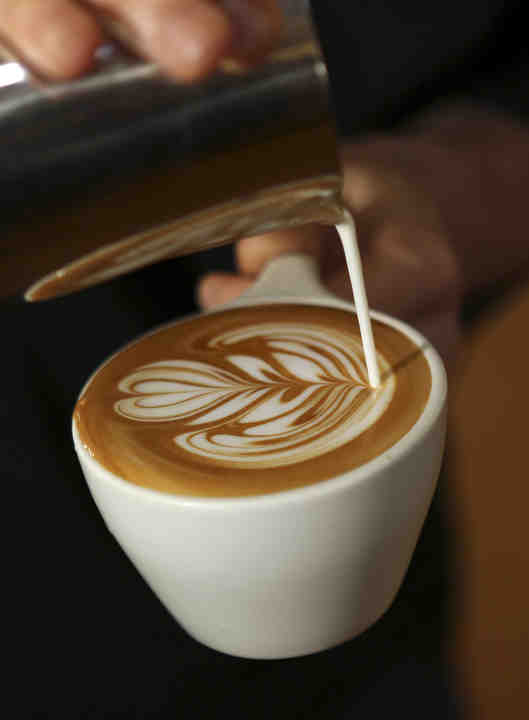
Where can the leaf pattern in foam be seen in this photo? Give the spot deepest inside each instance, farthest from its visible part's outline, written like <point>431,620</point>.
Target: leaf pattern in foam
<point>304,394</point>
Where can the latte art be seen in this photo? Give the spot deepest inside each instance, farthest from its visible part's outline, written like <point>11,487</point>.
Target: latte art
<point>304,394</point>
<point>250,401</point>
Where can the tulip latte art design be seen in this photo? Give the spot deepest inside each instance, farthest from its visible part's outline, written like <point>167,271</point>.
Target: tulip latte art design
<point>306,393</point>
<point>250,401</point>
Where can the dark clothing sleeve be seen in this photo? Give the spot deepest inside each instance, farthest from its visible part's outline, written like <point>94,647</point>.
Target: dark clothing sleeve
<point>388,59</point>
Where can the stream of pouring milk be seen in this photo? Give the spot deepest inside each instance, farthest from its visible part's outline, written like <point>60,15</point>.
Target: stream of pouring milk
<point>347,233</point>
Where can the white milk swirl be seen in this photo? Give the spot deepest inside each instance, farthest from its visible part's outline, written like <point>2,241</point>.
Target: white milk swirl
<point>306,394</point>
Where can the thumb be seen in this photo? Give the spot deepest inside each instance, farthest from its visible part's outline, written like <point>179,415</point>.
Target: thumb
<point>254,253</point>
<point>219,288</point>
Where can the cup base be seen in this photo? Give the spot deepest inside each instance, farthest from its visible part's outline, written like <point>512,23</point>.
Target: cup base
<point>285,650</point>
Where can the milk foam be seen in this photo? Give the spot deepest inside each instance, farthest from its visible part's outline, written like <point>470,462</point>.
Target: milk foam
<point>306,394</point>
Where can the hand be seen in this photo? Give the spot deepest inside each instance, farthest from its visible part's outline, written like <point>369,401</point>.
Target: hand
<point>410,269</point>
<point>186,38</point>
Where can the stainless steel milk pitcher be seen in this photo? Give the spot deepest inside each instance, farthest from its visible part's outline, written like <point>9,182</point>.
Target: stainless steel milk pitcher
<point>123,167</point>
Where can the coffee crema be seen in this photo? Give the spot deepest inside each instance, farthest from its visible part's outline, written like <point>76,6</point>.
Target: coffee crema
<point>250,401</point>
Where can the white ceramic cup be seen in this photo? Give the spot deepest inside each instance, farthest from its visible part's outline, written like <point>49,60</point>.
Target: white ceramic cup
<point>294,572</point>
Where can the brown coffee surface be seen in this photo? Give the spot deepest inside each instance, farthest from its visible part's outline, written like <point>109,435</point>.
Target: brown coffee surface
<point>250,401</point>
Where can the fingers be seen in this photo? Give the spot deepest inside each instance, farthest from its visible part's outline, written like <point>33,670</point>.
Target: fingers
<point>219,288</point>
<point>443,330</point>
<point>186,38</point>
<point>409,270</point>
<point>256,25</point>
<point>379,183</point>
<point>57,38</point>
<point>254,253</point>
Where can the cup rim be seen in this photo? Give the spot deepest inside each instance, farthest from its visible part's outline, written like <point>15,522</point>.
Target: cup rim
<point>356,476</point>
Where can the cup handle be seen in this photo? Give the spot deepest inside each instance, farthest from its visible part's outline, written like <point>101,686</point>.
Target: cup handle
<point>292,275</point>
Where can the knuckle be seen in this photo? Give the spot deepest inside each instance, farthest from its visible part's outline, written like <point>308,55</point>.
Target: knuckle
<point>55,35</point>
<point>27,15</point>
